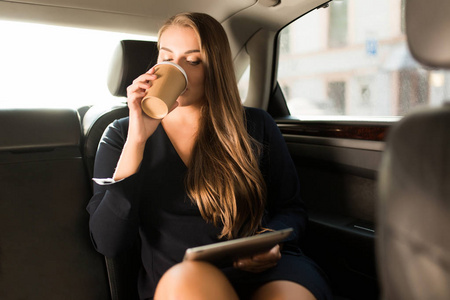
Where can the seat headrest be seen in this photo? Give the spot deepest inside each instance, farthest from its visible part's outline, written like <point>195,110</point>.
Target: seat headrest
<point>427,31</point>
<point>130,59</point>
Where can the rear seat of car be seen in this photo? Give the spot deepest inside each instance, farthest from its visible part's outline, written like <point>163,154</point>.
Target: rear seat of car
<point>45,248</point>
<point>46,163</point>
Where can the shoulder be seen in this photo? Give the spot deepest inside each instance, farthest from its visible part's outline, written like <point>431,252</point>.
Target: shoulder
<point>116,132</point>
<point>260,123</point>
<point>257,115</point>
<point>119,125</point>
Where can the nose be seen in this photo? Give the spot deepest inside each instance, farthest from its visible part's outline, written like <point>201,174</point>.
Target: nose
<point>182,63</point>
<point>177,61</point>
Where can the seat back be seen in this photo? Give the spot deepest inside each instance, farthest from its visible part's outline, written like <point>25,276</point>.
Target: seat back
<point>413,220</point>
<point>45,247</point>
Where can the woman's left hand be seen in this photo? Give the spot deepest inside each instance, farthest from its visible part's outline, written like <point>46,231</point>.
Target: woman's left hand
<point>259,262</point>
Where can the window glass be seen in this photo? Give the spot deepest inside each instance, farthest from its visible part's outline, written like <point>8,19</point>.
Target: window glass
<point>351,61</point>
<point>50,66</point>
<point>338,25</point>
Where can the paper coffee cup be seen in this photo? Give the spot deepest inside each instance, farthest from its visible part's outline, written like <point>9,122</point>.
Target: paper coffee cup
<point>171,82</point>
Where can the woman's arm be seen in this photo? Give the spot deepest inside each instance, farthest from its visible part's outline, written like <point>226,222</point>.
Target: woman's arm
<point>113,208</point>
<point>284,204</point>
<point>141,127</point>
<point>285,207</point>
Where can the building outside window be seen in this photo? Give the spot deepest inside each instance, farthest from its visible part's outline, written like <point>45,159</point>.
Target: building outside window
<point>351,61</point>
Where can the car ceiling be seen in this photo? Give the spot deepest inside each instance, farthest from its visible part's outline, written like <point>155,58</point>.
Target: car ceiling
<point>145,17</point>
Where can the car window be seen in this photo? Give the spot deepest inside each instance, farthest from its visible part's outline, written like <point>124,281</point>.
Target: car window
<point>50,66</point>
<point>351,61</point>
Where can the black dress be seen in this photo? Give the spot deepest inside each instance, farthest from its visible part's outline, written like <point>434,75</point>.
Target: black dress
<point>152,205</point>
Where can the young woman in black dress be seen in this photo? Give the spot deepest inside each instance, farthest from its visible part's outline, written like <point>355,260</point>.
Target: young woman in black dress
<point>210,170</point>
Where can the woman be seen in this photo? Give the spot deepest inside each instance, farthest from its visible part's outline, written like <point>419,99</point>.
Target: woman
<point>210,170</point>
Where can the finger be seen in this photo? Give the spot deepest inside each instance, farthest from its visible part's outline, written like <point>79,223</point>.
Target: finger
<point>244,261</point>
<point>134,89</point>
<point>236,264</point>
<point>139,85</point>
<point>250,264</point>
<point>146,77</point>
<point>135,98</point>
<point>144,81</point>
<point>271,255</point>
<point>255,268</point>
<point>151,70</point>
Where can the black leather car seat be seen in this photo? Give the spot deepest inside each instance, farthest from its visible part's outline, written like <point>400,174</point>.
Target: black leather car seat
<point>45,247</point>
<point>131,58</point>
<point>413,244</point>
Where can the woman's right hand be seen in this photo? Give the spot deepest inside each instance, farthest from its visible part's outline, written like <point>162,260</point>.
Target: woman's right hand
<point>141,126</point>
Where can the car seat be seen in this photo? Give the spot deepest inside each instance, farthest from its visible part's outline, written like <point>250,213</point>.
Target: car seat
<point>413,220</point>
<point>45,247</point>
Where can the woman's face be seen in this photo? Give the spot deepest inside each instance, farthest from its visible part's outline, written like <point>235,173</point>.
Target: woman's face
<point>180,45</point>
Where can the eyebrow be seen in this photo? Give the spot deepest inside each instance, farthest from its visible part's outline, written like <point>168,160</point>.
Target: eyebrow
<point>187,52</point>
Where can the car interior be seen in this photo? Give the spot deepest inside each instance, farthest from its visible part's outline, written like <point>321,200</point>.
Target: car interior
<point>377,189</point>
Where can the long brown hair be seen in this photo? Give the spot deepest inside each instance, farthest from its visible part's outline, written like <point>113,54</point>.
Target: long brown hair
<point>223,177</point>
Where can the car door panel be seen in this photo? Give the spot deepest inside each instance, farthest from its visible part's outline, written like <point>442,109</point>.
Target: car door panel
<point>337,163</point>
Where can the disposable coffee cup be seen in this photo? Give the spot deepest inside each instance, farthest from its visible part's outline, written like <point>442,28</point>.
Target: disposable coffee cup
<point>171,82</point>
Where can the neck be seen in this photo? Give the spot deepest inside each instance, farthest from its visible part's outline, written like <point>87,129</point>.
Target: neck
<point>181,126</point>
<point>184,116</point>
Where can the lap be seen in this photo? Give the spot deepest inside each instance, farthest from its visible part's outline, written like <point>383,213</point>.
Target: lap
<point>286,290</point>
<point>295,274</point>
<point>292,267</point>
<point>194,280</point>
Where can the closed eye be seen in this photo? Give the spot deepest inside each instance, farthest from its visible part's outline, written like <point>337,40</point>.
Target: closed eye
<point>194,62</point>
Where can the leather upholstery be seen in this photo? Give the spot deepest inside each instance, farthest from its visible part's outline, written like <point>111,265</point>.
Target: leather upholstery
<point>413,220</point>
<point>28,129</point>
<point>45,247</point>
<point>131,58</point>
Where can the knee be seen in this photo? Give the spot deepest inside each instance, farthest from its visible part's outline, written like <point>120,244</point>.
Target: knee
<point>282,290</point>
<point>194,280</point>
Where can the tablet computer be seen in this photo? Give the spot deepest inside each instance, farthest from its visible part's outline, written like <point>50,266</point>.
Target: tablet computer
<point>225,253</point>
